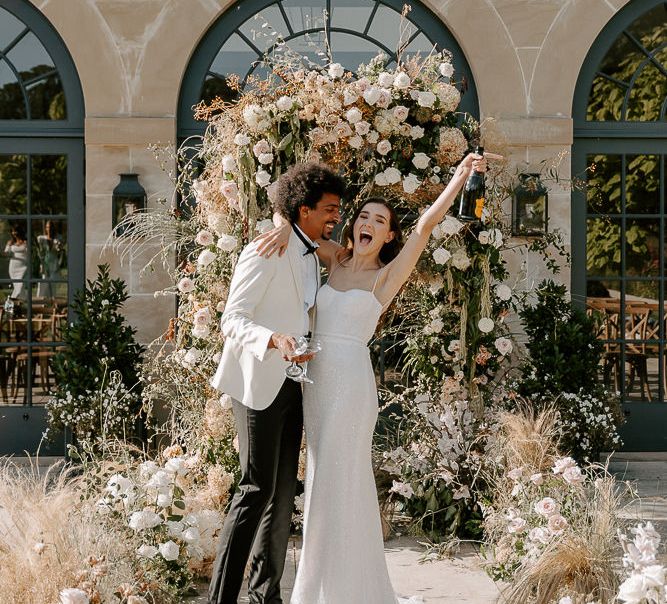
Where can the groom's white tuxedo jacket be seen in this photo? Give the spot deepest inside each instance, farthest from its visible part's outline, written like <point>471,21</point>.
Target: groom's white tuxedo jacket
<point>266,296</point>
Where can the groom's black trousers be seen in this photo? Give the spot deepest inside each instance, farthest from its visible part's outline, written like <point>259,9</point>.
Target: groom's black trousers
<point>261,510</point>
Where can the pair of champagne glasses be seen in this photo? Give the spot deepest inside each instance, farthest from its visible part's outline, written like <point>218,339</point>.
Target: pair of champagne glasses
<point>304,345</point>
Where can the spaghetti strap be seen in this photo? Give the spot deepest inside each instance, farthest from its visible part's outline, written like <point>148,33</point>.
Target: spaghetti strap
<point>377,278</point>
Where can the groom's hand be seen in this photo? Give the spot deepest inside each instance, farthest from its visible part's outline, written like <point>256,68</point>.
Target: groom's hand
<point>285,345</point>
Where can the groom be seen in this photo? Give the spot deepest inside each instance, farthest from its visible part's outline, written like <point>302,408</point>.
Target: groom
<point>269,304</point>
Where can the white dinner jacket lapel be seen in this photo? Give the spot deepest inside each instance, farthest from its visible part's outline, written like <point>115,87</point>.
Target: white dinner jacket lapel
<point>294,256</point>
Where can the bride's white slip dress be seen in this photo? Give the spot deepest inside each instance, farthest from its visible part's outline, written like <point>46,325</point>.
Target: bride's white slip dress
<point>342,557</point>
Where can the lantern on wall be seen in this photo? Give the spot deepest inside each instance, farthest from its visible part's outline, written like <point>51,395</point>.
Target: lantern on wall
<point>128,198</point>
<point>530,203</point>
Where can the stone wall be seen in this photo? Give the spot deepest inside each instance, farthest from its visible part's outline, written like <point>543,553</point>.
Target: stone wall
<point>131,56</point>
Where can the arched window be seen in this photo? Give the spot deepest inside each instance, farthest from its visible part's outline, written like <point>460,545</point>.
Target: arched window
<point>41,214</point>
<point>618,223</point>
<point>355,30</point>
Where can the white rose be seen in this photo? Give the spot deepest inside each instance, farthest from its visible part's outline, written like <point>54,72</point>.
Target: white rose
<point>356,142</point>
<point>226,401</point>
<point>349,97</point>
<point>229,163</point>
<point>353,115</point>
<point>220,306</point>
<point>362,127</point>
<point>261,146</point>
<point>272,192</point>
<point>446,70</point>
<point>486,325</point>
<point>191,535</point>
<point>400,113</point>
<point>343,129</point>
<point>176,465</point>
<point>537,479</point>
<point>241,139</point>
<point>516,525</point>
<point>503,345</point>
<point>263,178</point>
<point>227,243</point>
<point>265,158</point>
<point>441,255</point>
<point>496,238</point>
<point>136,600</point>
<point>175,528</point>
<point>336,70</point>
<point>411,183</point>
<point>382,124</point>
<point>169,550</point>
<point>560,465</point>
<point>73,596</point>
<point>450,226</point>
<point>385,98</point>
<point>285,103</point>
<point>381,179</point>
<point>654,575</point>
<point>515,474</point>
<point>393,175</point>
<point>190,358</point>
<point>204,238</point>
<point>426,99</point>
<point>539,534</point>
<point>203,316</point>
<point>461,493</point>
<point>371,95</point>
<point>402,488</point>
<point>383,147</point>
<point>164,500</point>
<point>205,258</point>
<point>483,237</point>
<point>416,132</point>
<point>460,259</point>
<point>454,346</point>
<point>386,79</point>
<point>159,480</point>
<point>503,292</point>
<point>147,551</point>
<point>230,190</point>
<point>436,326</point>
<point>144,520</point>
<point>421,161</point>
<point>546,507</point>
<point>633,590</point>
<point>402,80</point>
<point>557,524</point>
<point>254,116</point>
<point>186,285</point>
<point>372,137</point>
<point>573,475</point>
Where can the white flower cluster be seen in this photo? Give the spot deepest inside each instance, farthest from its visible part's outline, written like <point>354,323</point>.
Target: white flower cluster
<point>645,583</point>
<point>157,502</point>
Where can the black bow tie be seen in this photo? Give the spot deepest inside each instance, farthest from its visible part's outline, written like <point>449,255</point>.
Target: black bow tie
<point>310,248</point>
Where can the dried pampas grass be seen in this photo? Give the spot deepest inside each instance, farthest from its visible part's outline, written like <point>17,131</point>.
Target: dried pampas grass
<point>48,541</point>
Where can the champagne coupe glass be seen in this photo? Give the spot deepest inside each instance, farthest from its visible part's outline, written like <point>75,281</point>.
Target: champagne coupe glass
<point>303,346</point>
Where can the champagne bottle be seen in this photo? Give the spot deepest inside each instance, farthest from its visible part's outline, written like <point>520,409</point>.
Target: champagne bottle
<point>471,202</point>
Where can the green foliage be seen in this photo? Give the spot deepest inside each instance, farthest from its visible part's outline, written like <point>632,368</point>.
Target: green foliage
<point>100,361</point>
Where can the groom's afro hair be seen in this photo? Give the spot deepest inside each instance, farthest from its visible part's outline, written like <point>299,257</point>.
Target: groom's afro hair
<point>304,185</point>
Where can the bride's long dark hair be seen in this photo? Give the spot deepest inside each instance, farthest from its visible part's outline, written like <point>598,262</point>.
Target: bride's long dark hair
<point>389,250</point>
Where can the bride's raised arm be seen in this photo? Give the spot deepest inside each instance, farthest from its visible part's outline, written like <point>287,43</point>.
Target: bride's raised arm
<point>396,273</point>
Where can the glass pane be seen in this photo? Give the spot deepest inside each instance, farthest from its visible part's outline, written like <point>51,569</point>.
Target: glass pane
<point>217,87</point>
<point>49,184</point>
<point>309,46</point>
<point>29,57</point>
<point>605,102</point>
<point>13,184</point>
<point>603,246</point>
<point>47,99</point>
<point>234,57</point>
<point>642,184</point>
<point>10,28</point>
<point>649,29</point>
<point>386,28</point>
<point>49,314</point>
<point>421,44</point>
<point>305,14</point>
<point>597,289</point>
<point>13,375</point>
<point>49,253</point>
<point>647,95</point>
<point>263,29</point>
<point>643,292</point>
<point>14,264</point>
<point>350,50</point>
<point>642,247</point>
<point>641,372</point>
<point>351,14</point>
<point>43,379</point>
<point>603,191</point>
<point>12,101</point>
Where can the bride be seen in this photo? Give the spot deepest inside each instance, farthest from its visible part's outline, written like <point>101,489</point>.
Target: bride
<point>342,557</point>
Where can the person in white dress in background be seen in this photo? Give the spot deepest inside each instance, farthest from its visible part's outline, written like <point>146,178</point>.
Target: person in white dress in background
<point>342,557</point>
<point>17,251</point>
